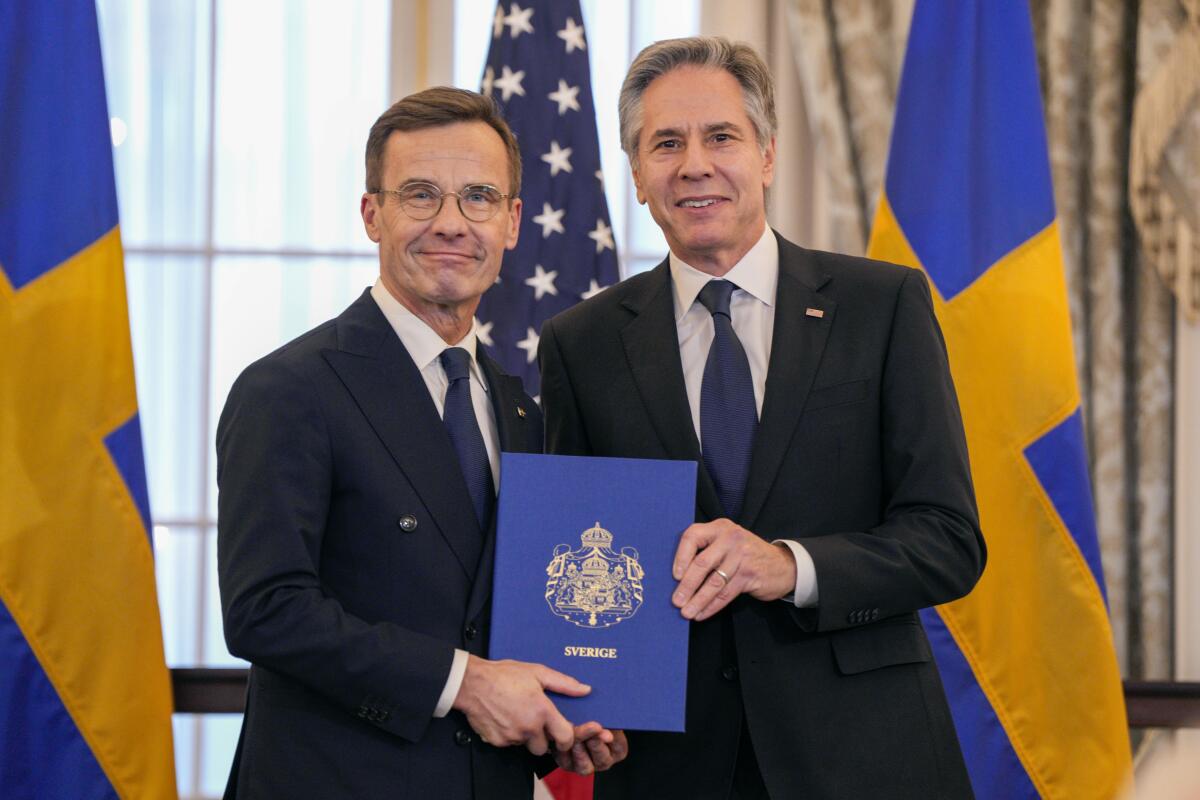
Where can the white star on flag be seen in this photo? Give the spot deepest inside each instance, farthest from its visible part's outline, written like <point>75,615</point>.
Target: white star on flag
<point>602,236</point>
<point>498,21</point>
<point>550,104</point>
<point>566,97</point>
<point>542,282</point>
<point>489,77</point>
<point>509,83</point>
<point>573,36</point>
<point>530,345</point>
<point>594,288</point>
<point>550,220</point>
<point>484,332</point>
<point>558,158</point>
<point>518,20</point>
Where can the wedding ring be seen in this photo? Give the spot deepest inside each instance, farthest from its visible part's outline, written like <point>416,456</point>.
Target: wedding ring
<point>722,574</point>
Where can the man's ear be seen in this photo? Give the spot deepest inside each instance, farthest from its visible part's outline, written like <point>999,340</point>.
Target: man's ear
<point>769,163</point>
<point>637,182</point>
<point>369,208</point>
<point>514,224</point>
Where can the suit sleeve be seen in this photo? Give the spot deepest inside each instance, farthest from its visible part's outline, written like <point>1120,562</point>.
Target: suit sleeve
<point>565,434</point>
<point>929,548</point>
<point>275,476</point>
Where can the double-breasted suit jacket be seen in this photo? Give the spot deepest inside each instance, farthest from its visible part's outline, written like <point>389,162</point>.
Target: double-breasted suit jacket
<point>860,456</point>
<point>351,566</point>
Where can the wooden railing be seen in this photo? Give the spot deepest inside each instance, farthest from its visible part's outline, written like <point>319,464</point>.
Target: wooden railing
<point>1150,704</point>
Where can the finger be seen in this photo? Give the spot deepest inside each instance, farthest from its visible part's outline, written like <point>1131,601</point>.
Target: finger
<point>601,756</point>
<point>555,681</point>
<point>564,761</point>
<point>589,729</point>
<point>689,544</point>
<point>560,731</point>
<point>722,598</point>
<point>707,593</point>
<point>697,536</point>
<point>581,761</point>
<point>699,570</point>
<point>537,744</point>
<point>712,587</point>
<point>620,746</point>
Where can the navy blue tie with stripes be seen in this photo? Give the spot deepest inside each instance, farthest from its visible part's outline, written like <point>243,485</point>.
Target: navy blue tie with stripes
<point>728,417</point>
<point>463,427</point>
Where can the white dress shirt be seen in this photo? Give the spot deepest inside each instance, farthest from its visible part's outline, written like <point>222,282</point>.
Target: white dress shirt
<point>752,309</point>
<point>425,346</point>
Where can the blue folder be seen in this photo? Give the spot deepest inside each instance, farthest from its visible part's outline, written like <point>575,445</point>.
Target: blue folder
<point>583,582</point>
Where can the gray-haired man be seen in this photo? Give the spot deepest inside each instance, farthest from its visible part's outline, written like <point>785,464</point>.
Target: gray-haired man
<point>834,499</point>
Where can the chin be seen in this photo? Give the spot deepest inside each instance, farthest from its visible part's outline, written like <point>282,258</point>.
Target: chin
<point>705,244</point>
<point>460,293</point>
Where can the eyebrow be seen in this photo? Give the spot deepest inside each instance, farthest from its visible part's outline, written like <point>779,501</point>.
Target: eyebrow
<point>712,127</point>
<point>438,186</point>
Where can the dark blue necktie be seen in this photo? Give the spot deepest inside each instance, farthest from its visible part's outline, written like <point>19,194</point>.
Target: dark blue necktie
<point>459,417</point>
<point>728,418</point>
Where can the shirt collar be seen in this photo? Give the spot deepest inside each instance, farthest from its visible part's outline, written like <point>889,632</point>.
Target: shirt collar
<point>757,274</point>
<point>421,341</point>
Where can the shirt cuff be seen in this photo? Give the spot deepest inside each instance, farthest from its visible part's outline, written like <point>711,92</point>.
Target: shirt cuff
<point>458,669</point>
<point>805,593</point>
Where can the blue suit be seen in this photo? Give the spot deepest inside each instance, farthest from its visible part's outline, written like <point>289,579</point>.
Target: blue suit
<point>351,566</point>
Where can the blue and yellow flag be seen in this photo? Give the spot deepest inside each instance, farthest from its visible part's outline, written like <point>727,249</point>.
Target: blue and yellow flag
<point>1027,658</point>
<point>85,697</point>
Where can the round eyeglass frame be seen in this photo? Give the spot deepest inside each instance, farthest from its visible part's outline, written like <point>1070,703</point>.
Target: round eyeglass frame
<point>442,200</point>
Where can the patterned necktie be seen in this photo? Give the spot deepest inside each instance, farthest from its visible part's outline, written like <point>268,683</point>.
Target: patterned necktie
<point>463,427</point>
<point>728,417</point>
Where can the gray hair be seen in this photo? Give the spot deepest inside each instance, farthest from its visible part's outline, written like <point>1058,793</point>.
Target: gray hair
<point>738,59</point>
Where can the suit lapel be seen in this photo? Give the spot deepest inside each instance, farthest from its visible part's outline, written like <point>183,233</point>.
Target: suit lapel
<point>511,407</point>
<point>651,343</point>
<point>389,390</point>
<point>796,346</point>
<point>517,434</point>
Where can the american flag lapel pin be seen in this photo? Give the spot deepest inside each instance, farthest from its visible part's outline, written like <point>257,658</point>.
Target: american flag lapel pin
<point>814,312</point>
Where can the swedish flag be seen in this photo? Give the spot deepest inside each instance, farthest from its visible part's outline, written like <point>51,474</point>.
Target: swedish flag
<point>1027,657</point>
<point>85,697</point>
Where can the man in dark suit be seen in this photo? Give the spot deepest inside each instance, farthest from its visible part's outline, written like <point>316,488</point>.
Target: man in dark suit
<point>834,498</point>
<point>357,468</point>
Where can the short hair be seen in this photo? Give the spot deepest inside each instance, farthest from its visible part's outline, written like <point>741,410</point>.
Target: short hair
<point>432,108</point>
<point>737,58</point>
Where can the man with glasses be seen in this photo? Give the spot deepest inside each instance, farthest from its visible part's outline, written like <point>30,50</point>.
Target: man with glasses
<point>357,468</point>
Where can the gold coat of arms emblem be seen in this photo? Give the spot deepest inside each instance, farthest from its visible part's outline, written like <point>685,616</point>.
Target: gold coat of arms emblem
<point>594,586</point>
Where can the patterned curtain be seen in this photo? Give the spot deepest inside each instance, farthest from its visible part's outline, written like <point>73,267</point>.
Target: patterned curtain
<point>1094,55</point>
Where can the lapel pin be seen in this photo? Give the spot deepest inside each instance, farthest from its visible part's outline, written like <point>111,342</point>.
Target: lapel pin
<point>814,312</point>
<point>520,411</point>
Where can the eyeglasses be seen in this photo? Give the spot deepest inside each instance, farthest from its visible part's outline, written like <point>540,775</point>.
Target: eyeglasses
<point>422,201</point>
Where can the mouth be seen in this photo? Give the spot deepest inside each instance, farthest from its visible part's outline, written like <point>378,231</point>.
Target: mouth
<point>447,254</point>
<point>700,202</point>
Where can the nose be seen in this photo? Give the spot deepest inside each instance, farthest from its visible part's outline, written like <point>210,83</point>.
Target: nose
<point>449,220</point>
<point>696,162</point>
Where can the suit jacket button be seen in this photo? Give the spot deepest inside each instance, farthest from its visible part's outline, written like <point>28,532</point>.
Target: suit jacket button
<point>407,523</point>
<point>462,738</point>
<point>470,631</point>
<point>729,673</point>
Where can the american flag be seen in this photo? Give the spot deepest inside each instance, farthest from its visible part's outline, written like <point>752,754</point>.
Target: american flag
<point>537,70</point>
